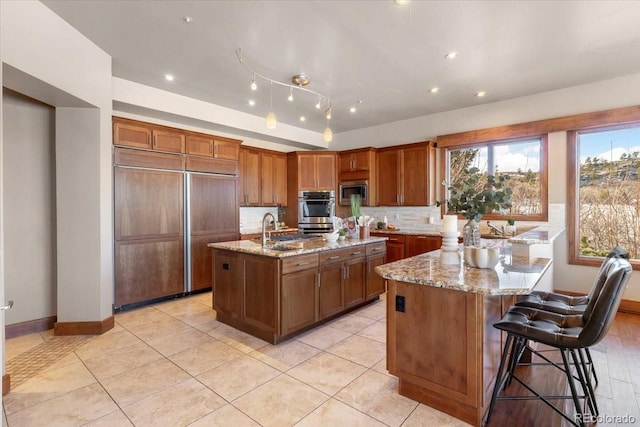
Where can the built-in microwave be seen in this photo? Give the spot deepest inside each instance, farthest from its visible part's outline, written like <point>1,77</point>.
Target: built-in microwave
<point>350,188</point>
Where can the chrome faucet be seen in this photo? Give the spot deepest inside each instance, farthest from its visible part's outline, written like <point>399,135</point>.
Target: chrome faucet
<point>495,230</point>
<point>264,227</point>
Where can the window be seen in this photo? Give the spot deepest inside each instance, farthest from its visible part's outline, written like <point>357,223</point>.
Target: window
<point>605,182</point>
<point>524,160</point>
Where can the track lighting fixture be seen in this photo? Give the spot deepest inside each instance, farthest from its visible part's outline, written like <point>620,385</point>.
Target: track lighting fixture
<point>300,81</point>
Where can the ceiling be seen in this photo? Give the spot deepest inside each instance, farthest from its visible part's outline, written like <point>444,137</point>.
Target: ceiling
<point>384,55</point>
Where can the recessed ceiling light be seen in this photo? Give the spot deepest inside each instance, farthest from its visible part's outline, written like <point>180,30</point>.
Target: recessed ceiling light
<point>168,77</point>
<point>252,102</point>
<point>303,119</point>
<point>401,2</point>
<point>187,19</point>
<point>451,55</point>
<point>481,94</point>
<point>353,109</point>
<point>434,90</point>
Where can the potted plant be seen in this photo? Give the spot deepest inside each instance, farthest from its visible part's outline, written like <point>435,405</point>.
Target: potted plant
<point>473,198</point>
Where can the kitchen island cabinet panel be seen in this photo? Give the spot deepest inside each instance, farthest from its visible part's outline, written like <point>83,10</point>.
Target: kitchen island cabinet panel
<point>260,293</point>
<point>161,276</point>
<point>299,300</point>
<point>331,298</point>
<point>354,282</point>
<point>374,282</point>
<point>227,294</point>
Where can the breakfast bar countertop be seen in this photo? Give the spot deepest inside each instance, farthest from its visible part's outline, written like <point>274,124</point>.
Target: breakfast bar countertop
<point>511,276</point>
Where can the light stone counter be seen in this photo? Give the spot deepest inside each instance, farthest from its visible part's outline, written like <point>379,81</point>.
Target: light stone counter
<point>291,248</point>
<point>512,275</point>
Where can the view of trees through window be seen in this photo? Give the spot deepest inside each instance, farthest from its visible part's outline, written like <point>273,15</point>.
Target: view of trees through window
<point>609,191</point>
<point>521,160</point>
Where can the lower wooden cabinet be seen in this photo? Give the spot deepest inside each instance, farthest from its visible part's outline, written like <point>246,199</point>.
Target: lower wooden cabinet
<point>416,245</point>
<point>273,298</point>
<point>374,282</point>
<point>299,300</point>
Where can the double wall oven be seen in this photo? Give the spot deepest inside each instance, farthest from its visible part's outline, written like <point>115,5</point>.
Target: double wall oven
<point>316,210</point>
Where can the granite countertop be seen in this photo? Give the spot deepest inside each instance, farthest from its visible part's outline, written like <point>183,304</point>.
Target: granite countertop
<point>538,235</point>
<point>412,231</point>
<point>293,248</point>
<point>259,230</point>
<point>511,276</point>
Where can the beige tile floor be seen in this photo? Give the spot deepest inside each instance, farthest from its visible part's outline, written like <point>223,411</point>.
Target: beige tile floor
<point>174,364</point>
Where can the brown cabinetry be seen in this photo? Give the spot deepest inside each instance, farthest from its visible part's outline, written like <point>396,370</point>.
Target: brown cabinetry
<point>406,175</point>
<point>131,135</point>
<point>360,165</point>
<point>216,147</point>
<point>416,245</point>
<point>315,171</point>
<point>149,239</point>
<point>395,246</point>
<point>250,177</point>
<point>274,298</point>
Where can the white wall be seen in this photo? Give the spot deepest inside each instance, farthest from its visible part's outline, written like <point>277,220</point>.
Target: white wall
<point>47,59</point>
<point>29,208</point>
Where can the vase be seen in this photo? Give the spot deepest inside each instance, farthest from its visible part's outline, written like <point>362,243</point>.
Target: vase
<point>471,233</point>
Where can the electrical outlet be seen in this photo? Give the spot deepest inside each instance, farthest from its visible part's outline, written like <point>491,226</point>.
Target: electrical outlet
<point>400,303</point>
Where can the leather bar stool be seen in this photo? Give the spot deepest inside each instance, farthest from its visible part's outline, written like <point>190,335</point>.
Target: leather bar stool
<point>567,333</point>
<point>565,304</point>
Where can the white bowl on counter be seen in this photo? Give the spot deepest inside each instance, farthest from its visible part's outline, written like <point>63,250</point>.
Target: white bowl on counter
<point>331,237</point>
<point>481,256</point>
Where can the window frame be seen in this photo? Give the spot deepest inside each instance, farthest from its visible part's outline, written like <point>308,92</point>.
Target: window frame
<point>573,193</point>
<point>544,174</point>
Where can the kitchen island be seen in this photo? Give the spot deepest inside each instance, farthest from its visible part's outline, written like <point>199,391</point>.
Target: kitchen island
<point>440,340</point>
<point>283,289</point>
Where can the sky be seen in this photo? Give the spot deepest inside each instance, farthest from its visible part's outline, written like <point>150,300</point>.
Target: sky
<point>609,145</point>
<point>511,157</point>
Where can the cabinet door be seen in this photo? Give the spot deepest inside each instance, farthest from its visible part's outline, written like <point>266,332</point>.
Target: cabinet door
<point>168,141</point>
<point>361,161</point>
<point>416,245</point>
<point>415,177</point>
<point>299,300</point>
<point>345,162</point>
<point>388,178</point>
<point>227,285</point>
<point>267,179</point>
<point>227,150</point>
<point>131,135</point>
<point>395,251</point>
<point>148,269</point>
<point>260,295</point>
<point>326,171</point>
<point>199,146</point>
<point>147,203</point>
<point>306,172</point>
<point>250,176</point>
<point>330,298</point>
<point>354,282</point>
<point>374,282</point>
<point>280,179</point>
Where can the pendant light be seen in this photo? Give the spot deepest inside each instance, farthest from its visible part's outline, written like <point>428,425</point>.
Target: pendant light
<point>271,117</point>
<point>327,135</point>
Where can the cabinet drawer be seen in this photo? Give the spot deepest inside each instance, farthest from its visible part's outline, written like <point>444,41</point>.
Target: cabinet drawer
<point>393,237</point>
<point>376,248</point>
<point>298,263</point>
<point>340,255</point>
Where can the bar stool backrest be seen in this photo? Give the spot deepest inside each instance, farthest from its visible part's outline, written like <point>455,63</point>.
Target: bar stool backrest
<point>606,305</point>
<point>596,289</point>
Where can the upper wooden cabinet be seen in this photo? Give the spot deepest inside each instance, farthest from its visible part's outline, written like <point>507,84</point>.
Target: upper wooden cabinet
<point>273,179</point>
<point>249,177</point>
<point>216,147</point>
<point>264,177</point>
<point>131,135</point>
<point>163,140</point>
<point>356,160</point>
<point>315,171</point>
<point>406,175</point>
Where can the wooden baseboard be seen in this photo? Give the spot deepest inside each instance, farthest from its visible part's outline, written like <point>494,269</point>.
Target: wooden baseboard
<point>6,384</point>
<point>626,305</point>
<point>84,328</point>
<point>29,327</point>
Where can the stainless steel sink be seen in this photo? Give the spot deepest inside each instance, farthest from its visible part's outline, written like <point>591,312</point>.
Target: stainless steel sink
<point>280,248</point>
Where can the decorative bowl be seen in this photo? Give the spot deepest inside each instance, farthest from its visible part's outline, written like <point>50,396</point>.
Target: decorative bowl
<point>331,237</point>
<point>481,256</point>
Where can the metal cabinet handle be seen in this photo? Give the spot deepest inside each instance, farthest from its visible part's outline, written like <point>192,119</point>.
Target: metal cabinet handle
<point>155,141</point>
<point>303,263</point>
<point>318,279</point>
<point>8,306</point>
<point>334,257</point>
<point>356,253</point>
